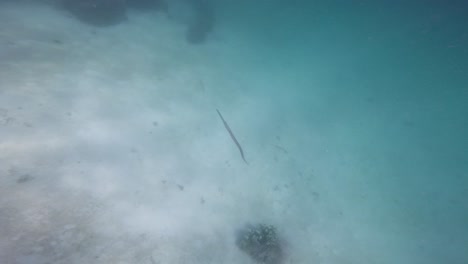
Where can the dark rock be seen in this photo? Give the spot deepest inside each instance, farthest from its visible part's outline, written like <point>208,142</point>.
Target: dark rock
<point>97,12</point>
<point>261,242</point>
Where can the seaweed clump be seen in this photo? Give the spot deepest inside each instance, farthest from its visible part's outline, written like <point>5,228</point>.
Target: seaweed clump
<point>261,242</point>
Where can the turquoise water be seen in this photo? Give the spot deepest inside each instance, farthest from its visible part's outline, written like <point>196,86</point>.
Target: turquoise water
<point>384,85</point>
<point>353,117</point>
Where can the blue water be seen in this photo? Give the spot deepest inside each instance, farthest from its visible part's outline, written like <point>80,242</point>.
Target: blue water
<point>353,117</point>
<point>385,83</point>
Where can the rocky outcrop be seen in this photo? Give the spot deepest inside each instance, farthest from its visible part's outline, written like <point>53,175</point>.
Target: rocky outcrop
<point>261,243</point>
<point>199,14</point>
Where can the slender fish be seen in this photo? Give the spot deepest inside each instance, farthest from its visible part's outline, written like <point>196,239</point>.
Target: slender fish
<point>232,135</point>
